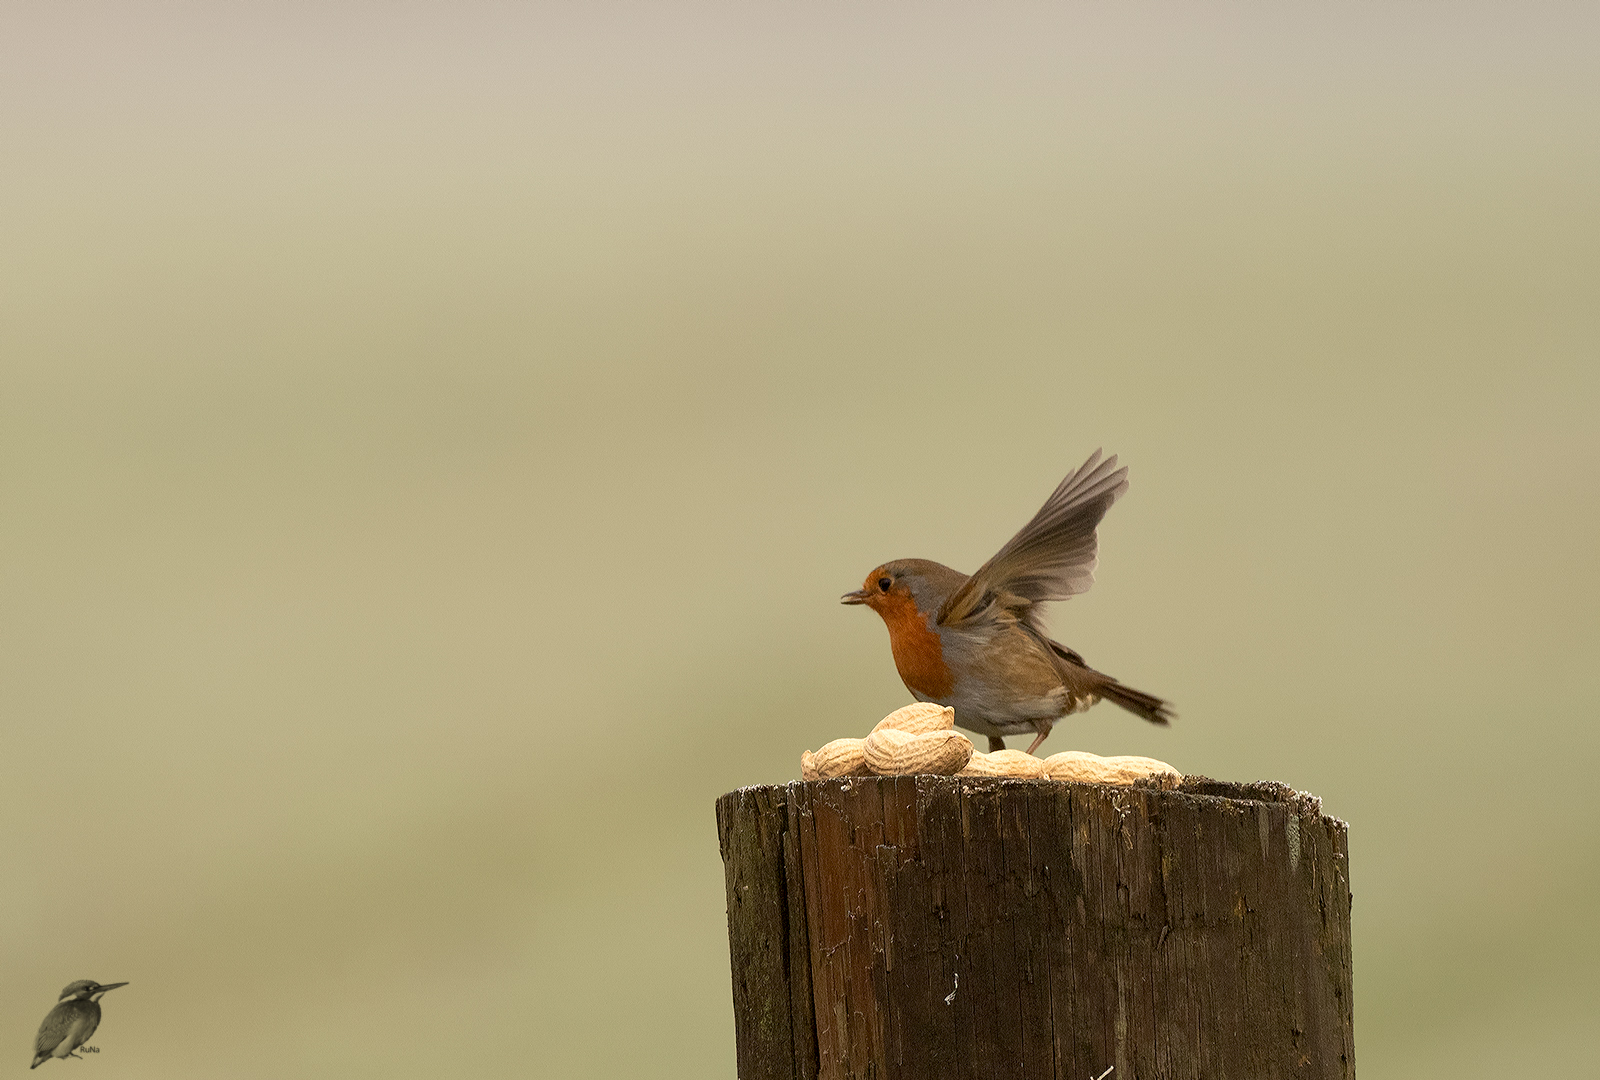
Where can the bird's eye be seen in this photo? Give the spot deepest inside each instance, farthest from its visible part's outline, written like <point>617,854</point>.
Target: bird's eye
<point>883,584</point>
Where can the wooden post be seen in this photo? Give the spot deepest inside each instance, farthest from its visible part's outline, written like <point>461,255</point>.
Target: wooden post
<point>928,927</point>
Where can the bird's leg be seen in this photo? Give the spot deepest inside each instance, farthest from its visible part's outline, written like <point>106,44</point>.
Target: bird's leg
<point>1044,732</point>
<point>996,743</point>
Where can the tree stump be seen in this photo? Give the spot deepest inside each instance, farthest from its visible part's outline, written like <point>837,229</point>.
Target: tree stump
<point>929,927</point>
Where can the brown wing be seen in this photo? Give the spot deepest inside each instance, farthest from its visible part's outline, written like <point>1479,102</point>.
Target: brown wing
<point>1053,556</point>
<point>1066,653</point>
<point>1137,702</point>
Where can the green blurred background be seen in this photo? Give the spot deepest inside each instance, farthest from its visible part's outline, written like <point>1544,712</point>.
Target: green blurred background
<point>434,439</point>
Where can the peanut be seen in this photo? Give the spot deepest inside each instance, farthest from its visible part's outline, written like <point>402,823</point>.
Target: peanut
<point>892,752</point>
<point>920,718</point>
<point>841,757</point>
<point>1004,763</point>
<point>1093,769</point>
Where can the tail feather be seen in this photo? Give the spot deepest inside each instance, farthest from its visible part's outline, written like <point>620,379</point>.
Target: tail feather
<point>1137,702</point>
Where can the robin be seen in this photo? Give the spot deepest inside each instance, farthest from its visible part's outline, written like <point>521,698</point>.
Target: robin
<point>979,644</point>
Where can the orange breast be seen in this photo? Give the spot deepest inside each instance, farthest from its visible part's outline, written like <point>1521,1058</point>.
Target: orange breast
<point>917,653</point>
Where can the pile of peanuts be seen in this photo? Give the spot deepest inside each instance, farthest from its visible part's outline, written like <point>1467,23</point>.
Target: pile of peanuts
<point>921,738</point>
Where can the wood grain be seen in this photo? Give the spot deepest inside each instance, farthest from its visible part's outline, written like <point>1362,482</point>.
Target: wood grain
<point>961,927</point>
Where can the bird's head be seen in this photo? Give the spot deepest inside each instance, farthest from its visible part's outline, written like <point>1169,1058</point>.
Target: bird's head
<point>906,585</point>
<point>87,989</point>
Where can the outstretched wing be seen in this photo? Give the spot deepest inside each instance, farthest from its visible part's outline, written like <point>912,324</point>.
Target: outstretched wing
<point>1054,555</point>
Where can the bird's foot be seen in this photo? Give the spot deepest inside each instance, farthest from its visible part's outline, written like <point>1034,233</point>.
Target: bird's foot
<point>1044,732</point>
<point>996,743</point>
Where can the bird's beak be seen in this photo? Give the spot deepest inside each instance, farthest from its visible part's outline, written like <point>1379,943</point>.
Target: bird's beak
<point>112,986</point>
<point>857,597</point>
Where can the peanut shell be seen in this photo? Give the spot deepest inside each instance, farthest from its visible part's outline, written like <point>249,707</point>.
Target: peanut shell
<point>891,752</point>
<point>1092,769</point>
<point>1004,763</point>
<point>919,718</point>
<point>841,757</point>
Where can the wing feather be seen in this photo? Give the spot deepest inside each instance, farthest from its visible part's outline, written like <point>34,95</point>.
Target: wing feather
<point>1053,556</point>
<point>57,1025</point>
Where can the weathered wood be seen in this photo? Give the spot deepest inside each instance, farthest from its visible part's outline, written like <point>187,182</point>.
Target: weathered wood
<point>771,999</point>
<point>929,927</point>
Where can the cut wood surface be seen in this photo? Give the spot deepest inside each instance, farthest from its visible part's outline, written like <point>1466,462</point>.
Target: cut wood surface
<point>931,926</point>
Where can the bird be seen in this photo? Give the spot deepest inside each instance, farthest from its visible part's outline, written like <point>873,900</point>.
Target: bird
<point>979,643</point>
<point>70,1024</point>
